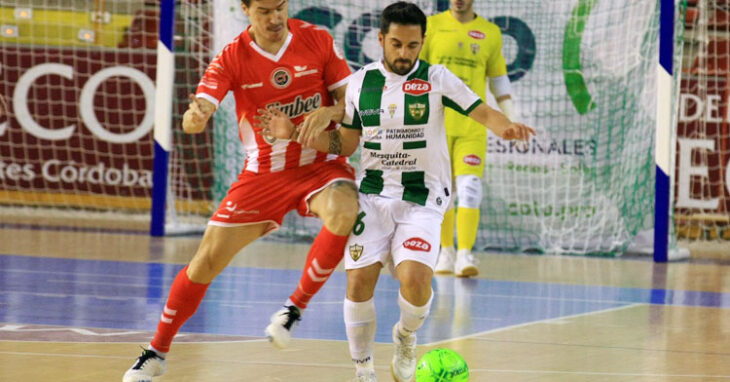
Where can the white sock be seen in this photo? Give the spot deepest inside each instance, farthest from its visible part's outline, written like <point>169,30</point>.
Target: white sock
<point>289,302</point>
<point>411,316</point>
<point>159,353</point>
<point>360,326</point>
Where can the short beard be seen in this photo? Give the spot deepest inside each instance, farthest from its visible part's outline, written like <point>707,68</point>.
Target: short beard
<point>397,71</point>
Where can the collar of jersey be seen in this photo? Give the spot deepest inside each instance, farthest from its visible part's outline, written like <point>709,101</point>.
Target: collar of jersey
<point>394,76</point>
<point>273,57</point>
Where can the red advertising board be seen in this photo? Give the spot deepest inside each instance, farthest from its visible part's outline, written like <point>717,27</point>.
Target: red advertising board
<point>702,185</point>
<point>78,121</point>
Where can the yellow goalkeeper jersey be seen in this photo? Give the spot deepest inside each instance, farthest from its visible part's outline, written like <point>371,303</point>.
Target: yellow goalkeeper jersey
<point>472,51</point>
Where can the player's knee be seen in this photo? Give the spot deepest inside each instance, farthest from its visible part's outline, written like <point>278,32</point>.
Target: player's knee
<point>469,191</point>
<point>360,286</point>
<point>340,210</point>
<point>416,287</point>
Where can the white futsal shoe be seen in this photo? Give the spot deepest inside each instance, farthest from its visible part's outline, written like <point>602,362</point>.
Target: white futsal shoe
<point>403,365</point>
<point>148,365</point>
<point>365,375</point>
<point>445,262</point>
<point>466,264</point>
<point>282,323</point>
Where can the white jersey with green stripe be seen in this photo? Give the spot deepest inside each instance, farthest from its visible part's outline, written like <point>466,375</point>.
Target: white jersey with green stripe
<point>404,153</point>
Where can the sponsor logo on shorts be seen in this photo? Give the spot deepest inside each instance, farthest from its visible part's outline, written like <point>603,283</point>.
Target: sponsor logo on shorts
<point>416,87</point>
<point>356,251</point>
<point>475,34</point>
<point>472,160</point>
<point>417,244</point>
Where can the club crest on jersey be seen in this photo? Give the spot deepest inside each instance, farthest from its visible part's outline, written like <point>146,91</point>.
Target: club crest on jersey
<point>474,48</point>
<point>475,34</point>
<point>416,87</point>
<point>391,109</point>
<point>356,251</point>
<point>280,78</point>
<point>472,160</point>
<point>417,110</point>
<point>417,244</point>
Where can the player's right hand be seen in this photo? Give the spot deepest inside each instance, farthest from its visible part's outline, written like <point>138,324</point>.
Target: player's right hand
<point>197,115</point>
<point>274,123</point>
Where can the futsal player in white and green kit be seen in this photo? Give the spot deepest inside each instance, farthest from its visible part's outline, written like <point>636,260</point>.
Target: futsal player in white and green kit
<point>396,107</point>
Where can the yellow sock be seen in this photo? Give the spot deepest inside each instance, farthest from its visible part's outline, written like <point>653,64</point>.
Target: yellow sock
<point>447,229</point>
<point>467,224</point>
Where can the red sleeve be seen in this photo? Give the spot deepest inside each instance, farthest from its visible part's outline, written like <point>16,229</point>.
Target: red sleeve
<point>336,69</point>
<point>218,77</point>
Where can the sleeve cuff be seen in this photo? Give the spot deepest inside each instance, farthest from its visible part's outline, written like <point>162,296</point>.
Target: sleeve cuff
<point>209,97</point>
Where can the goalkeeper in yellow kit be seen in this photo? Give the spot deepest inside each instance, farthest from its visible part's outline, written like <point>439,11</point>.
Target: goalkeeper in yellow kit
<point>471,47</point>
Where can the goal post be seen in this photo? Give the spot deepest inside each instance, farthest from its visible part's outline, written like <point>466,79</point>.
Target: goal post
<point>163,116</point>
<point>664,127</point>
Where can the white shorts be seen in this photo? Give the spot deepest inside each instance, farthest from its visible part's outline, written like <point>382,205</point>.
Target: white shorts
<point>390,231</point>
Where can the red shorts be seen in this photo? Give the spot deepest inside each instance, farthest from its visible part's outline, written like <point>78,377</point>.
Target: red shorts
<point>260,198</point>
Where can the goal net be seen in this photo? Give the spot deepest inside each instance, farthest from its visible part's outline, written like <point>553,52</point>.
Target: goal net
<point>583,73</point>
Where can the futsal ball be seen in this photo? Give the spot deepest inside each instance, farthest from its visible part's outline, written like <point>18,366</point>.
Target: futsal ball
<point>442,365</point>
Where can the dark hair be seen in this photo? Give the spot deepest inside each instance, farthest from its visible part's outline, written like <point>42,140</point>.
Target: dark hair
<point>402,13</point>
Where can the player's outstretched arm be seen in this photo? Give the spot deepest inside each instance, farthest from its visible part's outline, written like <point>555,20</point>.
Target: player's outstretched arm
<point>275,123</point>
<point>501,125</point>
<point>196,117</point>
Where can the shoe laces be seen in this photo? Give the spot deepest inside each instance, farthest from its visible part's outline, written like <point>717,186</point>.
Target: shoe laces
<point>292,315</point>
<point>144,358</point>
<point>406,349</point>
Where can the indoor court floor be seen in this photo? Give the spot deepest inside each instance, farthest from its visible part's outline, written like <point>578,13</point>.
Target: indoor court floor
<point>77,304</point>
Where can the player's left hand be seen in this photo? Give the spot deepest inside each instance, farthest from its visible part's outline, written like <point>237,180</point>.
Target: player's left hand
<point>314,124</point>
<point>518,131</point>
<point>273,122</point>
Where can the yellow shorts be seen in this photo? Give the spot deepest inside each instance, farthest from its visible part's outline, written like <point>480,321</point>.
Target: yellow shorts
<point>467,154</point>
<point>467,140</point>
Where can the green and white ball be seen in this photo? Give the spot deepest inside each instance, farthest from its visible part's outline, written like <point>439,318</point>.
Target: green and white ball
<point>442,365</point>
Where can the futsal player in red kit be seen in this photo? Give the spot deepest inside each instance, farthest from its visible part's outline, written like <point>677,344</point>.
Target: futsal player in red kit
<point>295,67</point>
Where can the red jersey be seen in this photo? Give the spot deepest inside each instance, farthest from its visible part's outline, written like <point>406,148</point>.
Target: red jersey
<point>297,80</point>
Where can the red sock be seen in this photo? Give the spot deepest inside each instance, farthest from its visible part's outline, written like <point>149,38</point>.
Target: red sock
<point>324,255</point>
<point>183,301</point>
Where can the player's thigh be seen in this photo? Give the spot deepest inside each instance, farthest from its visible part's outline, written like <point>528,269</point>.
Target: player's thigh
<point>369,242</point>
<point>468,155</point>
<point>417,235</point>
<point>336,205</point>
<point>218,247</point>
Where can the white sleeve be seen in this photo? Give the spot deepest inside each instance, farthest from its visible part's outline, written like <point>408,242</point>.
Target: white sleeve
<point>351,120</point>
<point>455,93</point>
<point>500,86</point>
